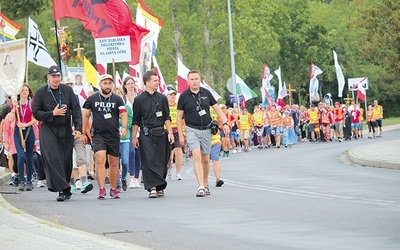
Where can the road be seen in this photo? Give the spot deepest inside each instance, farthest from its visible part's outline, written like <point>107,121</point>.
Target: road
<point>305,197</point>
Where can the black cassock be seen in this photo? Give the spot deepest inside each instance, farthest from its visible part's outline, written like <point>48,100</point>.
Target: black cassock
<point>55,134</point>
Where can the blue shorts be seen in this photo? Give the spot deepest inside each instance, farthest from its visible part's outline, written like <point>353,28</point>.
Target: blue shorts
<point>267,131</point>
<point>276,130</point>
<point>355,125</point>
<point>234,135</point>
<point>215,150</point>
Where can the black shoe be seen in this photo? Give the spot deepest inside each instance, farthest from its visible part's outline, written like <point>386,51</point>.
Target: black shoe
<point>67,193</point>
<point>219,183</point>
<point>61,197</point>
<point>124,185</point>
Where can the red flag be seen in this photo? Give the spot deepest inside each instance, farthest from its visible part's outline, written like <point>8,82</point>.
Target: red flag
<point>182,77</point>
<point>361,93</point>
<point>103,19</point>
<point>83,94</point>
<point>102,68</point>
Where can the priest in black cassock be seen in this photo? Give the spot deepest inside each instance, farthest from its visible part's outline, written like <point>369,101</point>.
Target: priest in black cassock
<point>54,106</point>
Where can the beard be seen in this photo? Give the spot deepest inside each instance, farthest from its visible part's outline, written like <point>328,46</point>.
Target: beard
<point>106,91</point>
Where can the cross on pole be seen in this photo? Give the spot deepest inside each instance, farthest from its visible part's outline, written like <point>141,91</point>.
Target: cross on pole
<point>79,53</point>
<point>347,100</point>
<point>290,90</point>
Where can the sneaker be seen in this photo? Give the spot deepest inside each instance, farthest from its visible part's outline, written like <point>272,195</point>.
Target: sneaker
<point>86,187</point>
<point>67,193</point>
<point>90,176</point>
<point>21,186</point>
<point>16,180</point>
<point>179,177</point>
<point>219,183</point>
<point>239,149</point>
<point>160,193</point>
<point>40,184</point>
<point>78,184</point>
<point>102,194</point>
<point>234,151</point>
<point>114,193</point>
<point>137,184</point>
<point>107,181</point>
<point>73,189</point>
<point>11,183</point>
<point>201,192</point>
<point>207,190</point>
<point>29,186</point>
<point>169,175</point>
<point>124,185</point>
<point>119,188</point>
<point>153,193</point>
<point>132,183</point>
<point>60,197</point>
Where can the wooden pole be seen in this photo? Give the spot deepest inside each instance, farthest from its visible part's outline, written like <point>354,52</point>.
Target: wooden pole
<point>21,135</point>
<point>114,74</point>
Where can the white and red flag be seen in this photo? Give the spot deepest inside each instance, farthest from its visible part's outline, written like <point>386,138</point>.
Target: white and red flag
<point>361,92</point>
<point>281,90</point>
<point>267,77</point>
<point>162,87</point>
<point>314,83</point>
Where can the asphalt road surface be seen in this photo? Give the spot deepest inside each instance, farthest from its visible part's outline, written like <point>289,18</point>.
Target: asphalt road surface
<point>305,197</point>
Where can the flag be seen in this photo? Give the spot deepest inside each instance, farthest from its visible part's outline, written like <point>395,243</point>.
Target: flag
<point>339,75</point>
<point>183,83</point>
<point>102,68</point>
<point>146,48</point>
<point>146,19</point>
<point>124,75</point>
<point>8,28</point>
<point>361,92</point>
<point>91,74</point>
<point>162,87</point>
<point>269,96</point>
<point>241,88</point>
<point>104,19</point>
<point>267,77</point>
<point>36,51</point>
<point>182,77</point>
<point>12,71</point>
<point>281,91</point>
<point>314,83</point>
<point>118,80</point>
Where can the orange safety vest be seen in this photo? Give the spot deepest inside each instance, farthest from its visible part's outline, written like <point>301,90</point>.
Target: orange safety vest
<point>287,121</point>
<point>338,113</point>
<point>371,116</point>
<point>313,115</point>
<point>276,118</point>
<point>325,118</point>
<point>378,111</point>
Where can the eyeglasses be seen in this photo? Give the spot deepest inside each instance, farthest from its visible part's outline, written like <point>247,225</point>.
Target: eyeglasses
<point>129,83</point>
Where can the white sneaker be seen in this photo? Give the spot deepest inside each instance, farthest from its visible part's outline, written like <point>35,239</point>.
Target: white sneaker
<point>40,184</point>
<point>137,184</point>
<point>132,183</point>
<point>234,151</point>
<point>239,149</point>
<point>78,184</point>
<point>169,175</point>
<point>178,177</point>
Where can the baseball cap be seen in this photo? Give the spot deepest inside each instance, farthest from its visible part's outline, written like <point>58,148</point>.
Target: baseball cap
<point>67,80</point>
<point>105,76</point>
<point>337,103</point>
<point>171,91</point>
<point>54,70</point>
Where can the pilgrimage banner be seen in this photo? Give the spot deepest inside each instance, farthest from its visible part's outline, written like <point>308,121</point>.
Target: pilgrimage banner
<point>12,66</point>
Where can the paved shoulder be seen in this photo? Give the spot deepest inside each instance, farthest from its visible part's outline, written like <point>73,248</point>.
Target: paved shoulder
<point>381,154</point>
<point>21,230</point>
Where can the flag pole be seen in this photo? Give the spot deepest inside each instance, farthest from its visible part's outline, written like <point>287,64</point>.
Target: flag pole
<point>57,42</point>
<point>232,54</point>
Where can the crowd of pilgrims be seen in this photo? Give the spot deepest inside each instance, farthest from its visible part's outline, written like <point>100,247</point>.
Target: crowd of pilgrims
<point>264,128</point>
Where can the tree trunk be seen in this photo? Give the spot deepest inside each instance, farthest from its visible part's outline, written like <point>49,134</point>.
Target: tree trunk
<point>207,60</point>
<point>175,28</point>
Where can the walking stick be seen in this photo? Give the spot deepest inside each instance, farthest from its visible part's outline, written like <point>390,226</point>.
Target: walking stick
<point>21,135</point>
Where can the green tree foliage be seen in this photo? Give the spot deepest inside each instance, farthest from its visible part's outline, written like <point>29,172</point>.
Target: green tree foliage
<point>286,33</point>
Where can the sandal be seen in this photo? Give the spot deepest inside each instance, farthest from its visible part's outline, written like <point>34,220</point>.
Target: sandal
<point>207,190</point>
<point>201,192</point>
<point>160,193</point>
<point>153,193</point>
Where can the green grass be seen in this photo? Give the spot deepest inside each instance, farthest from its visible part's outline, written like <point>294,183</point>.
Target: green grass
<point>391,121</point>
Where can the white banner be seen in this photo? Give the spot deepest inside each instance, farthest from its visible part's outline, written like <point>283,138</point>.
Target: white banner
<point>339,75</point>
<point>109,48</point>
<point>12,67</point>
<point>36,51</point>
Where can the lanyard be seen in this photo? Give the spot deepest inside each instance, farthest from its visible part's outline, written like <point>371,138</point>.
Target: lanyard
<point>23,111</point>
<point>54,98</point>
<point>106,107</point>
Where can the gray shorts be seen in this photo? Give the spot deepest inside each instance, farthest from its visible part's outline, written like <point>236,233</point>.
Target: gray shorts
<point>198,139</point>
<point>80,152</point>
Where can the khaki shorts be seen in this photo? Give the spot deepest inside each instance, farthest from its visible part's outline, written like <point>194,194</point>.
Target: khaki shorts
<point>244,134</point>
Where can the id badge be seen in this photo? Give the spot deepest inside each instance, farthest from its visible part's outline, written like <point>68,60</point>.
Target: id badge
<point>202,112</point>
<point>107,116</point>
<point>158,113</point>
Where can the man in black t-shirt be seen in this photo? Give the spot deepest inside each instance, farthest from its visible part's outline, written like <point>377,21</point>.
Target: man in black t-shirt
<point>194,103</point>
<point>106,108</point>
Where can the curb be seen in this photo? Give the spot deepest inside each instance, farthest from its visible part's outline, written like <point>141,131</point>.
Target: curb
<point>354,158</point>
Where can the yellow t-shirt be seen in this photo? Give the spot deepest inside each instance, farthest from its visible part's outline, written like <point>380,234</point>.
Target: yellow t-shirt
<point>173,112</point>
<point>258,119</point>
<point>244,121</point>
<point>378,111</point>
